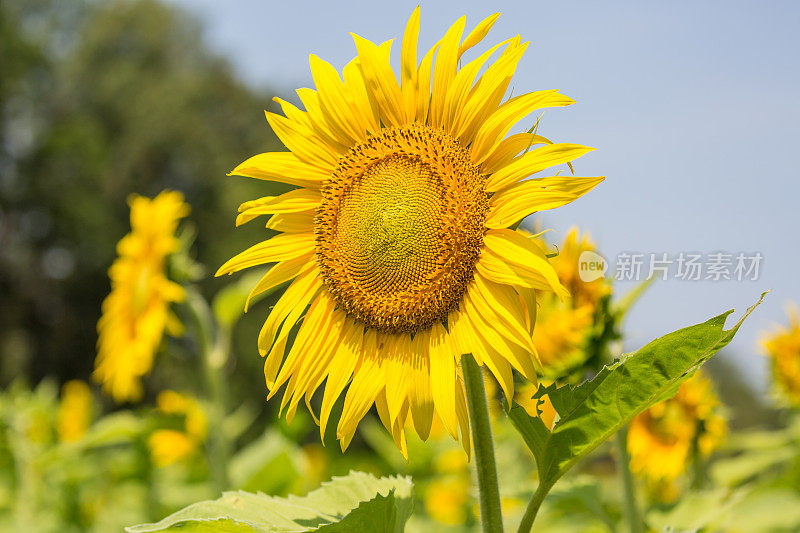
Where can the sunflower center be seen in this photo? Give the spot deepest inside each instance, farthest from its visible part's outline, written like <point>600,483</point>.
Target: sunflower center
<point>400,228</point>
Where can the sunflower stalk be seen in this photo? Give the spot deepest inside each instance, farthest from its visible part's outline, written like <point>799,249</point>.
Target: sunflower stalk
<point>489,489</point>
<point>213,343</point>
<point>632,514</point>
<point>533,506</point>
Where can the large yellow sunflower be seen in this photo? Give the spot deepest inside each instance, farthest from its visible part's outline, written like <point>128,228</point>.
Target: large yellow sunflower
<point>397,238</point>
<point>137,311</point>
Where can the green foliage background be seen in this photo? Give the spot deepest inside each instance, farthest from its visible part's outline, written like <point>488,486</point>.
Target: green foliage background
<point>99,100</point>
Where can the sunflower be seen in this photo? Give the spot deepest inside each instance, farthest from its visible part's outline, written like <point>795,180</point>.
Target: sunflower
<point>397,236</point>
<point>782,346</point>
<point>137,311</point>
<point>168,446</point>
<point>663,439</point>
<point>74,411</point>
<point>564,325</point>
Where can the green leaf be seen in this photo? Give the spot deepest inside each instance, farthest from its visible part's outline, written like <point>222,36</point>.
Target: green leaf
<point>356,502</point>
<point>594,410</point>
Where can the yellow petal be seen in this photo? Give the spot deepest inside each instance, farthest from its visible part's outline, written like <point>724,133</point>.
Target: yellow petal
<point>463,417</point>
<point>334,101</point>
<point>500,308</point>
<point>283,167</point>
<point>511,258</point>
<point>535,161</point>
<point>459,89</point>
<point>508,149</point>
<point>291,202</point>
<point>301,222</point>
<point>280,273</point>
<point>303,142</point>
<point>288,310</point>
<point>322,131</point>
<point>424,84</point>
<point>408,66</point>
<point>516,202</point>
<point>398,370</point>
<point>339,374</point>
<point>444,70</point>
<point>380,81</point>
<point>443,378</point>
<point>489,91</point>
<point>498,124</point>
<point>315,344</point>
<point>279,248</point>
<point>477,35</point>
<point>502,341</point>
<point>368,380</point>
<point>363,107</point>
<point>420,400</point>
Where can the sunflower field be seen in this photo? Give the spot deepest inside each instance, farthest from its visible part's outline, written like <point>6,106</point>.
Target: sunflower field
<point>393,331</point>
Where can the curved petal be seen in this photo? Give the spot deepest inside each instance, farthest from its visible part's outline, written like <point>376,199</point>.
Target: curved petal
<point>283,167</point>
<point>339,374</point>
<point>478,33</point>
<point>420,399</point>
<point>444,70</point>
<point>533,162</point>
<point>498,124</point>
<point>303,142</point>
<point>380,81</point>
<point>508,150</point>
<point>511,258</point>
<point>280,273</point>
<point>301,222</point>
<point>514,203</point>
<point>488,92</point>
<point>408,66</point>
<point>279,248</point>
<point>334,102</point>
<point>443,378</point>
<point>294,201</point>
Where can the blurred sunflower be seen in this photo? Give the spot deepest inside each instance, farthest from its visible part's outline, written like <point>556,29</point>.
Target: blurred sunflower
<point>564,325</point>
<point>136,313</point>
<point>397,238</point>
<point>782,346</point>
<point>536,407</point>
<point>74,411</point>
<point>168,446</point>
<point>662,440</point>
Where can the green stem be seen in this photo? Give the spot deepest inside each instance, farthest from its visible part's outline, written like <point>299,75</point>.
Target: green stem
<point>533,507</point>
<point>632,516</point>
<point>491,517</point>
<point>214,356</point>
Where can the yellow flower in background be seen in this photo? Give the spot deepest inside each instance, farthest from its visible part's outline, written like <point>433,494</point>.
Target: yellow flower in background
<point>782,346</point>
<point>566,264</point>
<point>74,411</point>
<point>562,326</point>
<point>560,335</point>
<point>661,440</point>
<point>397,238</point>
<point>168,446</point>
<point>535,407</point>
<point>137,311</point>
<point>446,500</point>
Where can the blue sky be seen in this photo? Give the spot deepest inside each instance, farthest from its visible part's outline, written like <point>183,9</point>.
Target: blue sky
<point>693,107</point>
